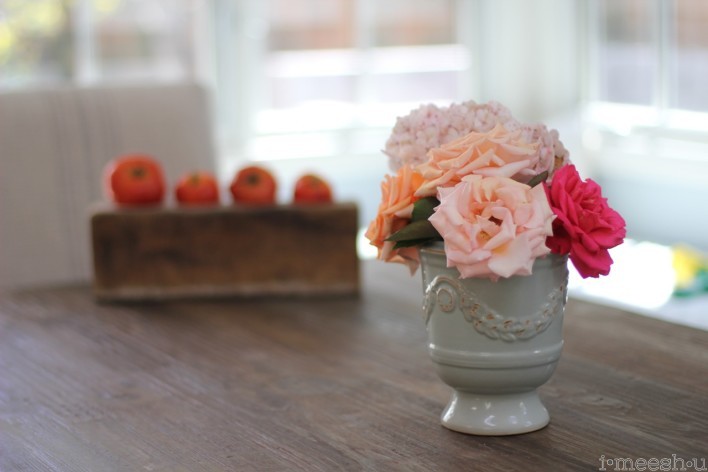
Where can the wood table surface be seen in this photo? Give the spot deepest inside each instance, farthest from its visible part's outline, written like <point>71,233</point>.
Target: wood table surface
<point>320,385</point>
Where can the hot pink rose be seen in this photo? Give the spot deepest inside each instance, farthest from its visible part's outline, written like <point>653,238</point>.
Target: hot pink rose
<point>493,226</point>
<point>585,226</point>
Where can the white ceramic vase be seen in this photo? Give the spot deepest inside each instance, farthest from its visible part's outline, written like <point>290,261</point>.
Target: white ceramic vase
<point>494,343</point>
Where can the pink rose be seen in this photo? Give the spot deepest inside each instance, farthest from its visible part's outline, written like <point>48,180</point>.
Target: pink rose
<point>585,226</point>
<point>497,153</point>
<point>493,226</point>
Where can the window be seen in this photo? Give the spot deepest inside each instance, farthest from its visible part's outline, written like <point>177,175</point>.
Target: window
<point>648,61</point>
<point>328,77</point>
<point>44,42</point>
<point>646,114</point>
<point>690,66</point>
<point>317,84</point>
<point>628,62</point>
<point>311,84</point>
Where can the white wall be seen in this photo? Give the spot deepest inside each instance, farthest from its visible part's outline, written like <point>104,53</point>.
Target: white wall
<point>528,56</point>
<point>660,187</point>
<point>54,145</point>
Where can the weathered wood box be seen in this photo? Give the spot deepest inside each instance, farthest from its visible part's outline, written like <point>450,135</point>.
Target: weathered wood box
<point>158,253</point>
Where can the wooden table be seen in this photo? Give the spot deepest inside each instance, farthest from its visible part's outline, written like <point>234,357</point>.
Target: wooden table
<point>319,385</point>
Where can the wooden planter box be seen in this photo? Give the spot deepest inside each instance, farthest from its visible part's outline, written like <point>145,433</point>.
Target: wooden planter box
<point>158,253</point>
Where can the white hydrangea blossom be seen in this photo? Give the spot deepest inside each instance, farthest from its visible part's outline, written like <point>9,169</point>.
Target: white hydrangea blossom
<point>429,127</point>
<point>551,149</point>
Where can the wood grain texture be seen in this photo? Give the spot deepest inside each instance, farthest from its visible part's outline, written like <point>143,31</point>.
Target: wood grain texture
<point>318,385</point>
<point>201,252</point>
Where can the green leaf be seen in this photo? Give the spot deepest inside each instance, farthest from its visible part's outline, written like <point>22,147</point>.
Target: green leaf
<point>424,208</point>
<point>414,242</point>
<point>538,179</point>
<point>422,229</point>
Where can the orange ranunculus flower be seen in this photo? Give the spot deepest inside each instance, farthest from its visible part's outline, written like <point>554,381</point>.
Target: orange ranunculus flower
<point>397,198</point>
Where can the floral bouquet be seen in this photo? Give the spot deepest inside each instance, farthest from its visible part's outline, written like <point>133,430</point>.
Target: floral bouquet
<point>497,192</point>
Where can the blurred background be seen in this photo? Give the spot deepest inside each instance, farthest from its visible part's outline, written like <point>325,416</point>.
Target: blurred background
<point>316,85</point>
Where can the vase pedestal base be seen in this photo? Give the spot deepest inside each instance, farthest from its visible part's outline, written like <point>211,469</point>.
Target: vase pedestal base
<point>495,415</point>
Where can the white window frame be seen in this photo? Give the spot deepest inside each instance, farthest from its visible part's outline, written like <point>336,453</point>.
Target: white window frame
<point>242,24</point>
<point>655,139</point>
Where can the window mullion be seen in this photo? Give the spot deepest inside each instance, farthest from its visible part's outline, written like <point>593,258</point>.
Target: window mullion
<point>84,45</point>
<point>591,30</point>
<point>363,42</point>
<point>662,95</point>
<point>468,32</point>
<point>199,59</point>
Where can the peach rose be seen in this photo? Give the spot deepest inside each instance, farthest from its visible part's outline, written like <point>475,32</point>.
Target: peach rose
<point>397,198</point>
<point>493,226</point>
<point>497,153</point>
